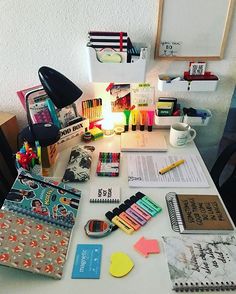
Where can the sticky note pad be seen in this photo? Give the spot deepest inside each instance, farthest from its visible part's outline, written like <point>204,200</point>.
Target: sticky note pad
<point>87,263</point>
<point>147,246</point>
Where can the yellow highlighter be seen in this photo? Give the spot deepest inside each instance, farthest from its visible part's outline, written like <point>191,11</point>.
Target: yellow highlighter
<point>119,222</point>
<point>170,167</point>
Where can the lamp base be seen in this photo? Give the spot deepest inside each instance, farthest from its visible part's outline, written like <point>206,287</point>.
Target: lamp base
<point>46,133</point>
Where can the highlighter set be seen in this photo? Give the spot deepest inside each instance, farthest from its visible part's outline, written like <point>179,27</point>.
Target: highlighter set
<point>134,213</point>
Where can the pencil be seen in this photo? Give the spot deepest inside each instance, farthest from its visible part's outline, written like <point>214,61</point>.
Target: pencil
<point>170,167</point>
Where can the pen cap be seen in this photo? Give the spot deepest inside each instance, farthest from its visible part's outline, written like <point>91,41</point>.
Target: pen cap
<point>133,127</point>
<point>128,202</point>
<point>109,215</point>
<point>149,128</point>
<point>123,207</point>
<point>126,128</point>
<point>141,127</point>
<point>116,211</point>
<point>133,199</point>
<point>139,195</point>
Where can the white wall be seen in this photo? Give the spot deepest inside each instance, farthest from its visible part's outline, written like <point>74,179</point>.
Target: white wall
<point>54,33</point>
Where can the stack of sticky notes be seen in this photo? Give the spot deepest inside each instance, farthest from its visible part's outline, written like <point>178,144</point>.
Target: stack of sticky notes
<point>165,108</point>
<point>96,133</point>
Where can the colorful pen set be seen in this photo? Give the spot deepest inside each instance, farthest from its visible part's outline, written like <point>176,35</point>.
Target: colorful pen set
<point>108,164</point>
<point>145,117</point>
<point>26,157</point>
<point>92,109</point>
<point>134,213</point>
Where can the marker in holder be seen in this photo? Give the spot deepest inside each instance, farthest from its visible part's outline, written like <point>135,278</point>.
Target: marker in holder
<point>108,164</point>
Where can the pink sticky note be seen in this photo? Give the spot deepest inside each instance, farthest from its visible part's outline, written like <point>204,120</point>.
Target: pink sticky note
<point>147,246</point>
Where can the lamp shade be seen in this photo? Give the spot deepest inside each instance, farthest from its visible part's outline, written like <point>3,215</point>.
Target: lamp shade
<point>59,88</point>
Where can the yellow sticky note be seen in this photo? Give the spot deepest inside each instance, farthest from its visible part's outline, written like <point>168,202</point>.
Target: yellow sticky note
<point>121,264</point>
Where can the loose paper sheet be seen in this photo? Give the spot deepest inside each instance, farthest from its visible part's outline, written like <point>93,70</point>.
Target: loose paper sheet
<point>143,171</point>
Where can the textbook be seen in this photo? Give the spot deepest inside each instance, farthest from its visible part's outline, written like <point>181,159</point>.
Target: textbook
<point>142,141</point>
<point>40,198</point>
<point>201,262</point>
<point>105,194</point>
<point>198,214</point>
<point>32,245</point>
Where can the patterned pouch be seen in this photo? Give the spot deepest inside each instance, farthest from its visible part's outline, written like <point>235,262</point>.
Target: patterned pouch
<point>78,168</point>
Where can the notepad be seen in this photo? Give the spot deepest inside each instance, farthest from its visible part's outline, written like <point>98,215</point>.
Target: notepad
<point>142,141</point>
<point>104,194</point>
<point>201,263</point>
<point>197,214</point>
<point>87,262</point>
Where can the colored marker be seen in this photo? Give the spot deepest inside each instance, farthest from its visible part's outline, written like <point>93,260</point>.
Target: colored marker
<point>151,203</point>
<point>150,118</point>
<point>137,217</point>
<point>128,219</point>
<point>119,222</point>
<point>170,167</point>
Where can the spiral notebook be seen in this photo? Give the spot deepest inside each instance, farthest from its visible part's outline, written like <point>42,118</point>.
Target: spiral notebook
<point>200,214</point>
<point>104,194</point>
<point>32,245</point>
<point>43,199</point>
<point>198,263</point>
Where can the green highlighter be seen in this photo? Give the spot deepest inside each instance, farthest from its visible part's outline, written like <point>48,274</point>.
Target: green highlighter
<point>151,203</point>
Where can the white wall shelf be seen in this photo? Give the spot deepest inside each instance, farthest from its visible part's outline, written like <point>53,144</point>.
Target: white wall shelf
<point>185,86</point>
<point>115,72</point>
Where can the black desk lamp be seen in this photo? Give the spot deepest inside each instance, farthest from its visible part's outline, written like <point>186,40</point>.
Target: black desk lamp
<point>62,92</point>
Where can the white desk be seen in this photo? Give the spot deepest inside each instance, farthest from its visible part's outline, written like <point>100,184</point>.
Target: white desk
<point>149,275</point>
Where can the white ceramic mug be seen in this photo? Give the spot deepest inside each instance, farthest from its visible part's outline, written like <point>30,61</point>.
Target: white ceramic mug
<point>181,134</point>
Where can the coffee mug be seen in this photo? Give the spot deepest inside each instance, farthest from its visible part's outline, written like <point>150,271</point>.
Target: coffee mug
<point>181,134</point>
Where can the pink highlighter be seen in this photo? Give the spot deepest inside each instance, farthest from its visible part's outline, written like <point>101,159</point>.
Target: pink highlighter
<point>150,119</point>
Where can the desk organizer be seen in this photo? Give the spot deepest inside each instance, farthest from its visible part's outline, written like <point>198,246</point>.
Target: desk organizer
<point>71,132</point>
<point>115,72</point>
<point>198,121</point>
<point>186,86</point>
<point>167,121</point>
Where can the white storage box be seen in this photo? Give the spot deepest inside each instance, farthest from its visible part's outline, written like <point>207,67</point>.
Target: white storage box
<point>115,72</point>
<point>164,85</point>
<point>184,85</point>
<point>167,121</point>
<point>207,85</point>
<point>198,121</point>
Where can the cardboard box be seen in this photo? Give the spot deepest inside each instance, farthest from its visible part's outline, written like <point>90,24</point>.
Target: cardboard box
<point>71,132</point>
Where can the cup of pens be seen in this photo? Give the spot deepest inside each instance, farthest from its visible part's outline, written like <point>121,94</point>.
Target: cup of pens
<point>181,134</point>
<point>26,157</point>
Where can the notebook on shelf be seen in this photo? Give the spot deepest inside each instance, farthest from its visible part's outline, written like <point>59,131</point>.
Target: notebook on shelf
<point>36,222</point>
<point>104,194</point>
<point>35,196</point>
<point>198,214</point>
<point>201,262</point>
<point>142,141</point>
